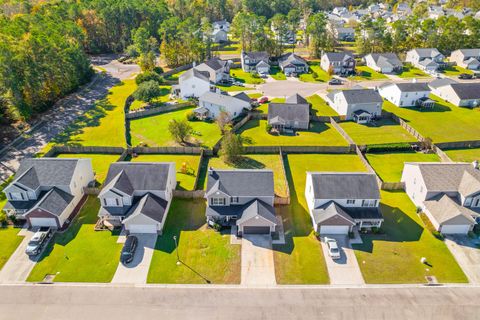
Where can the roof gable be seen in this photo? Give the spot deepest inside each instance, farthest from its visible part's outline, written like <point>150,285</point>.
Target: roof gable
<point>241,182</point>
<point>355,185</point>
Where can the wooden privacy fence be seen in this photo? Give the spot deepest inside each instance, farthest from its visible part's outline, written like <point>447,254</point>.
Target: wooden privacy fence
<point>189,194</point>
<point>442,155</point>
<point>166,150</point>
<point>91,191</point>
<point>459,144</point>
<point>341,131</point>
<point>300,149</point>
<point>392,186</point>
<point>157,110</point>
<point>55,150</point>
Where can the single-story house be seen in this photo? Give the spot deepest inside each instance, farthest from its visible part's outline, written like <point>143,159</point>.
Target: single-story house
<point>384,62</point>
<point>461,94</point>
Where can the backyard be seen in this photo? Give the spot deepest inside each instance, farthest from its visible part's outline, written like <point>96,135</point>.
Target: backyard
<point>301,260</point>
<point>9,240</point>
<point>153,130</point>
<point>320,134</point>
<point>100,162</point>
<point>316,74</point>
<point>444,123</point>
<point>80,254</point>
<point>320,106</point>
<point>463,155</point>
<point>164,97</point>
<point>185,181</point>
<point>389,166</point>
<point>394,257</point>
<point>206,255</point>
<point>366,73</point>
<point>377,132</point>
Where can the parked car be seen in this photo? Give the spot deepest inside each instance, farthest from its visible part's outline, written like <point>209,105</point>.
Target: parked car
<point>476,75</point>
<point>332,246</point>
<point>465,76</point>
<point>263,75</point>
<point>334,82</point>
<point>38,241</point>
<point>238,83</point>
<point>263,100</point>
<point>128,251</point>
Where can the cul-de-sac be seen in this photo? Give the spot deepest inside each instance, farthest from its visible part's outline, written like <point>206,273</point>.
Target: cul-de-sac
<point>240,144</point>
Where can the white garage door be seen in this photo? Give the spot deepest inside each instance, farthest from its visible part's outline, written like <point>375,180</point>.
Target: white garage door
<point>142,228</point>
<point>43,222</point>
<point>455,229</point>
<point>334,229</point>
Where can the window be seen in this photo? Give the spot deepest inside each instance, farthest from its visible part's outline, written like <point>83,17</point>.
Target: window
<point>111,202</point>
<point>16,196</point>
<point>351,201</point>
<point>369,203</point>
<point>217,201</point>
<point>476,202</point>
<point>234,200</point>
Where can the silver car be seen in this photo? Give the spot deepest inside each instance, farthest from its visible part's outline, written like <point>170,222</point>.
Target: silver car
<point>333,250</point>
<point>38,241</point>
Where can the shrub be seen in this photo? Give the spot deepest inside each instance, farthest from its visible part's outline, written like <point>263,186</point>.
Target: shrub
<point>3,219</point>
<point>391,147</point>
<point>191,116</point>
<point>147,91</point>
<point>149,76</point>
<point>438,235</point>
<point>268,127</point>
<point>231,147</point>
<point>317,235</point>
<point>351,235</point>
<point>255,75</point>
<point>158,70</point>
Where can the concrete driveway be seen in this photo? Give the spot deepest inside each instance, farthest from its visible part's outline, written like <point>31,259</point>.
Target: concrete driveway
<point>136,271</point>
<point>19,266</point>
<point>467,254</point>
<point>343,271</point>
<point>257,261</point>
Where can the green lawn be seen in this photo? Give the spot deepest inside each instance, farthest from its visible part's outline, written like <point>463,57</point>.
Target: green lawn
<point>154,130</point>
<point>205,254</point>
<point>321,75</point>
<point>164,97</point>
<point>444,123</point>
<point>366,73</point>
<point>320,134</point>
<point>301,260</point>
<point>230,88</point>
<point>412,72</point>
<point>320,107</point>
<point>464,155</point>
<point>257,161</point>
<point>175,76</point>
<point>395,256</point>
<point>245,77</point>
<point>378,132</point>
<point>9,240</point>
<point>100,162</point>
<point>231,48</point>
<point>81,254</point>
<point>455,71</point>
<point>185,180</point>
<point>277,73</point>
<point>389,166</point>
<point>263,108</point>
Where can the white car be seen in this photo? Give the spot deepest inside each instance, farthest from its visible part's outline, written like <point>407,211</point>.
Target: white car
<point>332,246</point>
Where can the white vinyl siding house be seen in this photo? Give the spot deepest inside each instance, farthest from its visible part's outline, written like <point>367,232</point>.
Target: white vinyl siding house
<point>404,94</point>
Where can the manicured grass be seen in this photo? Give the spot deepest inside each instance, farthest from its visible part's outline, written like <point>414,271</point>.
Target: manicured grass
<point>175,76</point>
<point>9,241</point>
<point>301,260</point>
<point>257,161</point>
<point>232,48</point>
<point>395,256</point>
<point>389,166</point>
<point>81,254</point>
<point>164,97</point>
<point>255,95</point>
<point>464,155</point>
<point>230,88</point>
<point>245,77</point>
<point>277,73</point>
<point>378,132</point>
<point>321,107</point>
<point>185,181</point>
<point>100,162</point>
<point>154,130</point>
<point>412,72</point>
<point>455,71</point>
<point>321,75</point>
<point>204,253</point>
<point>320,134</point>
<point>263,108</point>
<point>366,73</point>
<point>444,123</point>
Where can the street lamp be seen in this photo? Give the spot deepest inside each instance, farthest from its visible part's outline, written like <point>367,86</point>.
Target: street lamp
<point>176,249</point>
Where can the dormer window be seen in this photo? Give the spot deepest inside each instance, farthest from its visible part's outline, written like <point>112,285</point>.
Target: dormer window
<point>217,201</point>
<point>111,202</point>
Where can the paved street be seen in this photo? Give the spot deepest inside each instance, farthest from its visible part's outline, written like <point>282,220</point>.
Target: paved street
<point>19,266</point>
<point>49,302</point>
<point>257,261</point>
<point>467,254</point>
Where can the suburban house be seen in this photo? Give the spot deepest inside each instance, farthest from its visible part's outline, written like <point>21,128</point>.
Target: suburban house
<point>342,63</point>
<point>221,25</point>
<point>428,59</point>
<point>137,195</point>
<point>384,62</point>
<point>342,33</point>
<point>296,99</point>
<point>219,36</point>
<point>466,58</point>
<point>46,191</point>
<point>192,84</point>
<point>243,199</point>
<point>360,105</point>
<point>339,202</point>
<point>255,62</point>
<point>461,94</point>
<point>437,85</point>
<point>217,69</point>
<point>283,116</point>
<point>291,63</point>
<point>448,193</point>
<point>409,94</point>
<point>210,104</point>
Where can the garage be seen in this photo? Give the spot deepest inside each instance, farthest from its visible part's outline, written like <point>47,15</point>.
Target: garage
<point>455,229</point>
<point>142,228</point>
<point>256,230</point>
<point>43,222</point>
<point>334,229</point>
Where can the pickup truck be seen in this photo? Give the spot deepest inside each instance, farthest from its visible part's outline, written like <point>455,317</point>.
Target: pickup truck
<point>39,241</point>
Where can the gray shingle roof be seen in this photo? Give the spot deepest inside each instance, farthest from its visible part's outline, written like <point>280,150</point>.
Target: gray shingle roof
<point>289,112</point>
<point>291,58</point>
<point>194,73</point>
<point>362,96</point>
<point>215,63</point>
<point>470,52</point>
<point>259,55</point>
<point>241,182</point>
<point>55,201</point>
<point>296,99</point>
<point>258,208</point>
<point>427,52</point>
<point>336,185</point>
<point>223,100</point>
<point>338,56</point>
<point>151,206</point>
<point>328,211</point>
<point>437,83</point>
<point>409,86</point>
<point>386,60</point>
<point>36,172</point>
<point>444,208</point>
<point>467,90</point>
<point>243,96</point>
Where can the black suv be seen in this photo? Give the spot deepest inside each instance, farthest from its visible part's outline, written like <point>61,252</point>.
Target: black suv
<point>465,76</point>
<point>128,251</point>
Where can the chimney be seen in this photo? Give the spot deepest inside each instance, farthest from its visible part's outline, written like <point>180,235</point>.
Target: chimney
<point>475,164</point>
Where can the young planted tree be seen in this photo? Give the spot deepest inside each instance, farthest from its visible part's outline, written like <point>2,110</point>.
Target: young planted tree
<point>223,121</point>
<point>232,147</point>
<point>180,130</point>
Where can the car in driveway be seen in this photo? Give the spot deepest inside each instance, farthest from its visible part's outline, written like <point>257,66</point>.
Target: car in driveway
<point>263,100</point>
<point>334,82</point>
<point>38,241</point>
<point>333,250</point>
<point>465,76</point>
<point>128,251</point>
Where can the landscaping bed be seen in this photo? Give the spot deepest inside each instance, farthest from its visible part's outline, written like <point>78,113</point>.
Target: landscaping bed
<point>377,132</point>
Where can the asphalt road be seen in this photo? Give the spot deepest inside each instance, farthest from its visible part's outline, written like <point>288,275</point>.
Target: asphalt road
<point>129,302</point>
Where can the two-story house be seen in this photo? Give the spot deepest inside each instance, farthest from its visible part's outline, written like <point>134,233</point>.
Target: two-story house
<point>384,62</point>
<point>192,84</point>
<point>217,69</point>
<point>211,104</point>
<point>46,191</point>
<point>409,94</point>
<point>258,62</point>
<point>291,63</point>
<point>338,202</point>
<point>341,63</point>
<point>359,105</point>
<point>466,58</point>
<point>448,193</point>
<point>428,59</point>
<point>243,199</point>
<point>137,195</point>
<point>461,94</point>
